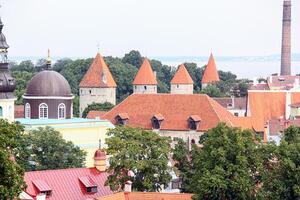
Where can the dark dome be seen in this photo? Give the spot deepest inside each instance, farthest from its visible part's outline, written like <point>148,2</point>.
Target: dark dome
<point>48,83</point>
<point>7,82</point>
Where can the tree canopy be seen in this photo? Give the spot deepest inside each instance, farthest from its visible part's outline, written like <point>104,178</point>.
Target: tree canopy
<point>11,174</point>
<point>97,106</point>
<point>44,148</point>
<point>143,152</point>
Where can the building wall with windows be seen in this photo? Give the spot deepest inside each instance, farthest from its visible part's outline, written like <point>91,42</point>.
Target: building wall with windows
<point>7,109</point>
<point>182,88</point>
<point>144,89</point>
<point>52,108</point>
<point>96,95</point>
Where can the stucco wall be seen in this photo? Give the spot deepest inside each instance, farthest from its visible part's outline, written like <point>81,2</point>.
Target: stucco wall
<point>8,109</point>
<point>182,88</point>
<point>96,95</point>
<point>145,89</point>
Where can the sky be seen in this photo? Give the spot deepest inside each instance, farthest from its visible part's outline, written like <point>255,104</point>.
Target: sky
<point>74,28</point>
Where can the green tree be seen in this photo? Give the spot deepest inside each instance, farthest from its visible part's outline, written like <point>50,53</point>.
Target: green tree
<point>22,78</point>
<point>11,174</point>
<point>134,58</point>
<point>141,151</point>
<point>196,74</point>
<point>42,149</point>
<point>228,165</point>
<point>97,106</point>
<point>282,180</point>
<point>27,66</point>
<point>212,91</point>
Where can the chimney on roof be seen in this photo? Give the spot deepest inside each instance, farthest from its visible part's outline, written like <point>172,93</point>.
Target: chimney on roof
<point>128,186</point>
<point>286,39</point>
<point>41,197</point>
<point>100,160</point>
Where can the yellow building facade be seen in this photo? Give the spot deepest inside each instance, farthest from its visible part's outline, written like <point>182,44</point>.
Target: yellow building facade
<point>88,134</point>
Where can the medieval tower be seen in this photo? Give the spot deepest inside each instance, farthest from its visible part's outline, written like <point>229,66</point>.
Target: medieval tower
<point>286,39</point>
<point>182,83</point>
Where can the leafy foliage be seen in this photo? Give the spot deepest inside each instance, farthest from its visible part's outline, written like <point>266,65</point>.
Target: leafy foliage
<point>11,174</point>
<point>141,151</point>
<point>212,91</point>
<point>133,58</point>
<point>228,165</point>
<point>42,149</point>
<point>97,106</point>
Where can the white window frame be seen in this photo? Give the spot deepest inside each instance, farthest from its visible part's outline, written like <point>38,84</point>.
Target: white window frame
<point>62,105</point>
<point>1,108</point>
<point>44,114</point>
<point>27,111</point>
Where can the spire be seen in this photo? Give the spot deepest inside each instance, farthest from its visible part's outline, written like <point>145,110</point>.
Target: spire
<point>210,73</point>
<point>98,75</point>
<point>145,75</point>
<point>286,38</point>
<point>48,61</point>
<point>182,76</point>
<point>3,45</point>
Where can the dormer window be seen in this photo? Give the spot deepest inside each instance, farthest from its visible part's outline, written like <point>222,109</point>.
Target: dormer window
<point>89,184</point>
<point>193,122</point>
<point>156,121</point>
<point>122,119</point>
<point>11,81</point>
<point>42,187</point>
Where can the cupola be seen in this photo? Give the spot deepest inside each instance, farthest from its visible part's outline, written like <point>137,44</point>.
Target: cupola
<point>100,160</point>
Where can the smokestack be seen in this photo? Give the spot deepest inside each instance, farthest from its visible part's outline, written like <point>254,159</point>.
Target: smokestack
<point>286,38</point>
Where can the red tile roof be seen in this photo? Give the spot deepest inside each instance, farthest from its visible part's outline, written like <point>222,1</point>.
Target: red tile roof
<point>210,73</point>
<point>93,114</point>
<point>65,183</point>
<point>145,75</point>
<point>19,111</point>
<point>147,196</point>
<point>259,86</point>
<point>182,76</point>
<point>278,126</point>
<point>96,72</point>
<point>237,103</point>
<point>176,110</point>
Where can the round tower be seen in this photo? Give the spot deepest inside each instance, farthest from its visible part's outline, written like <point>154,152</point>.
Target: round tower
<point>100,160</point>
<point>7,82</point>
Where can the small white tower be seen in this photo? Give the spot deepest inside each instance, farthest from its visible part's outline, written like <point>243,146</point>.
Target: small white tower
<point>7,82</point>
<point>97,85</point>
<point>182,83</point>
<point>145,80</point>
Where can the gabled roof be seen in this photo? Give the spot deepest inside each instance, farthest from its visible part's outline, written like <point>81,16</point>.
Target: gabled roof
<point>98,75</point>
<point>182,76</point>
<point>210,73</point>
<point>66,184</point>
<point>175,108</point>
<point>145,75</point>
<point>147,196</point>
<point>232,103</point>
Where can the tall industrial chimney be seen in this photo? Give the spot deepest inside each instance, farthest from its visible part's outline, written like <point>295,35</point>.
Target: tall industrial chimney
<point>286,38</point>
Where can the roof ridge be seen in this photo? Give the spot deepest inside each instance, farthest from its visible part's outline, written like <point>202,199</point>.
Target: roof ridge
<point>118,105</point>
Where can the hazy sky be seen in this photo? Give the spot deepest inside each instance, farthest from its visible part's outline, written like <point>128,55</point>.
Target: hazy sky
<point>154,27</point>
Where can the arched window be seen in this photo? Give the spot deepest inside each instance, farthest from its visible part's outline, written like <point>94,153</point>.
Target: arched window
<point>43,111</point>
<point>61,111</point>
<point>1,111</point>
<point>27,110</point>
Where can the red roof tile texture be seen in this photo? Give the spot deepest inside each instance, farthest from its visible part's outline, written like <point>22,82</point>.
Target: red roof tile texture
<point>176,110</point>
<point>98,75</point>
<point>182,76</point>
<point>93,114</point>
<point>147,196</point>
<point>210,73</point>
<point>145,75</point>
<point>66,184</point>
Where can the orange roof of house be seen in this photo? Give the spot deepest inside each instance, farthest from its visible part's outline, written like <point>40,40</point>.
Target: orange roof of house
<point>145,75</point>
<point>147,196</point>
<point>176,110</point>
<point>210,73</point>
<point>182,76</point>
<point>98,75</point>
<point>265,106</point>
<point>93,114</point>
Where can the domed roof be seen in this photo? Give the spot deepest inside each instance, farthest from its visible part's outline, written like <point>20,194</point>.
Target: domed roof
<point>7,82</point>
<point>48,83</point>
<point>100,154</point>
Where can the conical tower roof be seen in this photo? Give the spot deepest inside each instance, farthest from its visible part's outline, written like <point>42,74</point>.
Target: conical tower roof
<point>210,73</point>
<point>182,76</point>
<point>145,75</point>
<point>98,75</point>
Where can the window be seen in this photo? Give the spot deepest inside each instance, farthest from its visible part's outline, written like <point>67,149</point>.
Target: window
<point>122,118</point>
<point>193,122</point>
<point>90,91</point>
<point>177,86</point>
<point>91,189</point>
<point>47,193</point>
<point>27,110</point>
<point>43,111</point>
<point>1,111</point>
<point>156,121</point>
<point>61,111</point>
<point>145,87</point>
<point>193,141</point>
<point>236,114</point>
<point>11,81</point>
<point>155,124</point>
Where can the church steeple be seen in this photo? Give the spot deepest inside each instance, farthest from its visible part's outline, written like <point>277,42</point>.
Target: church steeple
<point>3,45</point>
<point>48,61</point>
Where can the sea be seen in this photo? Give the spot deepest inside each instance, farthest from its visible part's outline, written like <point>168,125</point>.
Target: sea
<point>250,67</point>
